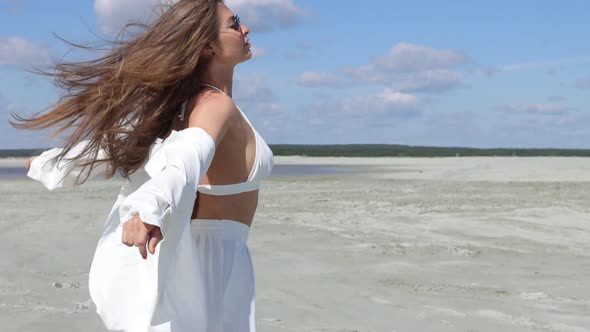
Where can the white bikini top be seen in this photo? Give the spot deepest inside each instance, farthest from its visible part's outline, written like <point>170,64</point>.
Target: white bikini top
<point>263,163</point>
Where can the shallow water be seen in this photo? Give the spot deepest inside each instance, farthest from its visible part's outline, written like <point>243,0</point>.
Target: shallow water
<point>14,173</point>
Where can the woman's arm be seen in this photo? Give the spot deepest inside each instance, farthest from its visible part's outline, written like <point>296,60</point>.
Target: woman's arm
<point>64,173</point>
<point>181,161</point>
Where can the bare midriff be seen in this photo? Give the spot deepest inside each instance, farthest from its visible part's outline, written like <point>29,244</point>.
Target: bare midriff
<point>239,207</point>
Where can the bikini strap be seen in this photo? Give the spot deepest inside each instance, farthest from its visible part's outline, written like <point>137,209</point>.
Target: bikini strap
<point>183,107</point>
<point>182,110</point>
<point>213,87</point>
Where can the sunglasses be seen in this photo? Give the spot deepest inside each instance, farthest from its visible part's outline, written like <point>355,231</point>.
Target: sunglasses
<point>235,25</point>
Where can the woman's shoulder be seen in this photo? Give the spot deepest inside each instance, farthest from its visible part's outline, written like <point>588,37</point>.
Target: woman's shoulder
<point>213,112</point>
<point>210,103</point>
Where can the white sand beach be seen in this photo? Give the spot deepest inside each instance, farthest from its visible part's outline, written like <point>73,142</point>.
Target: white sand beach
<point>406,244</point>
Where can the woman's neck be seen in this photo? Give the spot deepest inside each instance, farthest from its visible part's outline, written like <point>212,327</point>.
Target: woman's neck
<point>219,77</point>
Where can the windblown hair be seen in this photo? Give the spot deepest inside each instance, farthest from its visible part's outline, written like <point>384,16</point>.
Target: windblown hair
<point>123,101</point>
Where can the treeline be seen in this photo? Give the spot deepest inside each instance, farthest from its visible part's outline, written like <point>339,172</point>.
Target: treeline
<point>387,150</point>
<point>382,150</point>
<point>20,153</point>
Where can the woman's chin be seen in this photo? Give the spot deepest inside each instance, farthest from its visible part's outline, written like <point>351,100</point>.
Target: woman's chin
<point>248,55</point>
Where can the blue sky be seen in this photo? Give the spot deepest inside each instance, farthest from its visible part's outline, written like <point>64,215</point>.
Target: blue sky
<point>460,73</point>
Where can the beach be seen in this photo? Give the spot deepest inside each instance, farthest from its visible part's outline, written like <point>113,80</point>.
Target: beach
<point>392,244</point>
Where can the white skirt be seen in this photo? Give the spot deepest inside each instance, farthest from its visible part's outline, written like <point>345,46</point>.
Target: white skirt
<point>228,274</point>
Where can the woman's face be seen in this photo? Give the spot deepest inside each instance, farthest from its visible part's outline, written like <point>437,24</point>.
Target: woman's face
<point>231,47</point>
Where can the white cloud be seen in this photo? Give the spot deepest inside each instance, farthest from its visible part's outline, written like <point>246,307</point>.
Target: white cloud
<point>259,15</point>
<point>387,104</point>
<point>319,79</point>
<point>112,15</point>
<point>377,117</point>
<point>574,120</point>
<point>253,87</point>
<point>266,15</point>
<point>396,102</point>
<point>551,67</point>
<point>430,81</point>
<point>12,138</point>
<point>532,108</point>
<point>408,67</point>
<point>16,51</point>
<point>255,96</point>
<point>258,52</point>
<point>270,116</point>
<point>540,64</point>
<point>407,57</point>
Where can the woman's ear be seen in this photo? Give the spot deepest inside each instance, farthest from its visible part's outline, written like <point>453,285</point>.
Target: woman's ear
<point>208,50</point>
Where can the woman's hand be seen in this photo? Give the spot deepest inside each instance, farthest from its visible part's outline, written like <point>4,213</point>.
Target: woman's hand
<point>139,234</point>
<point>28,162</point>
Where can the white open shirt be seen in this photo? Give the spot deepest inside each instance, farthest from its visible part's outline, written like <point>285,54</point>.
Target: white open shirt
<point>164,292</point>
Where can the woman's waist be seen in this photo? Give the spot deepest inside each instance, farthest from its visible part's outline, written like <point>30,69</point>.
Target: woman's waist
<point>202,217</point>
<point>240,208</point>
<point>221,228</point>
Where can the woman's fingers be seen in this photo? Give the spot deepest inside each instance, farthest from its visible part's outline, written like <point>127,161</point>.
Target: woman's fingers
<point>126,238</point>
<point>155,238</point>
<point>138,234</point>
<point>141,244</point>
<point>28,163</point>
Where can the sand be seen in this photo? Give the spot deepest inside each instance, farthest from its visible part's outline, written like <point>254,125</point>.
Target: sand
<point>405,244</point>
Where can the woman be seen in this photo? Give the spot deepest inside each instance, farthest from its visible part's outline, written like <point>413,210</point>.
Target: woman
<point>158,109</point>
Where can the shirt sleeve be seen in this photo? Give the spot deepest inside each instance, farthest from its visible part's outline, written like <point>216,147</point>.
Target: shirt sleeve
<point>65,172</point>
<point>175,170</point>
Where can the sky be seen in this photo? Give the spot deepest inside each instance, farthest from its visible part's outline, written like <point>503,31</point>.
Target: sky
<point>512,74</point>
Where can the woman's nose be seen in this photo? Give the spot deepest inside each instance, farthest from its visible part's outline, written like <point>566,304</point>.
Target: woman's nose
<point>245,29</point>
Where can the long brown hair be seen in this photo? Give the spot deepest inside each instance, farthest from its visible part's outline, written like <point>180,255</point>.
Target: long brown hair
<point>123,101</point>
